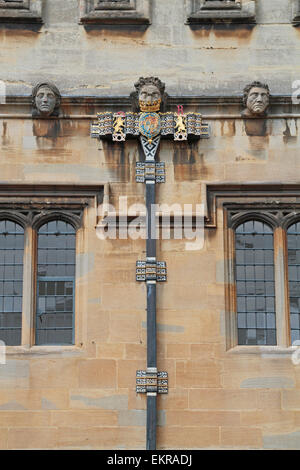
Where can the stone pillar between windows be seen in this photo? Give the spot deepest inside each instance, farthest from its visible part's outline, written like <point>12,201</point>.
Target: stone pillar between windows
<point>29,290</point>
<point>230,286</point>
<point>281,288</point>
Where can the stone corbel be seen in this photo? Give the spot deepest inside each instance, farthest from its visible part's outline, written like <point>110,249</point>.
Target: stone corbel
<point>131,12</point>
<point>21,11</point>
<point>231,11</point>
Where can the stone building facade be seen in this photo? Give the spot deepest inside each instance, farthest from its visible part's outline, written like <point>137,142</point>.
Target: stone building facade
<point>228,314</point>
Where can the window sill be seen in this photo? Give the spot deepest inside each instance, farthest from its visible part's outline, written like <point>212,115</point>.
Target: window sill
<point>245,14</point>
<point>26,13</point>
<point>137,13</point>
<point>44,351</point>
<point>263,350</point>
<point>120,17</point>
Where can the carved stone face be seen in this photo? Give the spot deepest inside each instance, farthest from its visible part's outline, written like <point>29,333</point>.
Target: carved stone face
<point>258,100</point>
<point>45,100</point>
<point>149,98</point>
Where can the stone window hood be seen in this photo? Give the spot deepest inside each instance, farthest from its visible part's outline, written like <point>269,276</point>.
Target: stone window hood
<point>131,12</point>
<point>221,11</point>
<point>21,11</point>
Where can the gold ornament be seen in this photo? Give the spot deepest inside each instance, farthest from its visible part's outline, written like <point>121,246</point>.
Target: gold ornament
<point>150,107</point>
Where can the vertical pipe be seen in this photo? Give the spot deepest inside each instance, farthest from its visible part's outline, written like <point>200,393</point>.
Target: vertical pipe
<point>151,422</point>
<point>151,316</point>
<point>150,201</point>
<point>151,324</point>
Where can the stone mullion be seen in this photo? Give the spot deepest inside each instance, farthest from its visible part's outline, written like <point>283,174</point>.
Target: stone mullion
<point>29,287</point>
<point>230,287</point>
<point>281,287</point>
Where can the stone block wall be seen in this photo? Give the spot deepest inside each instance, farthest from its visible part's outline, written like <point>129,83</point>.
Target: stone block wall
<point>83,397</point>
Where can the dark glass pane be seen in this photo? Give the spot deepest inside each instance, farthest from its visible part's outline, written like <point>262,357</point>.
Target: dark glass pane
<point>42,288</point>
<point>255,284</point>
<point>250,304</point>
<point>271,320</point>
<point>50,290</point>
<point>261,320</point>
<point>241,320</point>
<point>250,288</point>
<point>249,257</point>
<point>261,304</point>
<point>69,288</point>
<point>242,335</point>
<point>261,336</point>
<point>251,320</point>
<point>259,256</point>
<point>60,288</point>
<point>271,337</point>
<point>240,288</point>
<point>295,335</point>
<point>70,270</point>
<point>54,337</point>
<point>11,281</point>
<point>294,320</point>
<point>56,263</point>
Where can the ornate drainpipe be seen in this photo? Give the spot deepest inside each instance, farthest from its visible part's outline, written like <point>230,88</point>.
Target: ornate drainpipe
<point>149,125</point>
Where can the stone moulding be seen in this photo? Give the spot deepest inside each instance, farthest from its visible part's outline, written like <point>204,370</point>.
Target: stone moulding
<point>131,12</point>
<point>210,12</point>
<point>296,13</point>
<point>22,11</point>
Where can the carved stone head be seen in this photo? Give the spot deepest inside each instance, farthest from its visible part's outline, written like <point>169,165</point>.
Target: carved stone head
<point>150,94</point>
<point>46,100</point>
<point>256,99</point>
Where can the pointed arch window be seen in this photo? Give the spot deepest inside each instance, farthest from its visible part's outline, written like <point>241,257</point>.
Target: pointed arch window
<point>55,283</point>
<point>255,284</point>
<point>263,275</point>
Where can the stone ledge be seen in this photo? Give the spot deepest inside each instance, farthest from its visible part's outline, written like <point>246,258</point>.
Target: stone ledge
<point>136,13</point>
<point>65,351</point>
<point>263,350</point>
<point>236,13</point>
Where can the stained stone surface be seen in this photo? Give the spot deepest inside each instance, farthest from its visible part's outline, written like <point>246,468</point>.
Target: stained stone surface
<point>83,397</point>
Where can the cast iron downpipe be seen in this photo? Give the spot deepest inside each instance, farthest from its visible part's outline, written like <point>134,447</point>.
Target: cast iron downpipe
<point>151,316</point>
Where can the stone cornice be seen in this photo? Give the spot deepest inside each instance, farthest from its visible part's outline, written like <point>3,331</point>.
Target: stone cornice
<point>208,100</point>
<point>211,107</point>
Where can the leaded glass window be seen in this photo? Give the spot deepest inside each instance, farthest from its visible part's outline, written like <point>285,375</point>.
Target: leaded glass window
<point>255,284</point>
<point>55,283</point>
<point>11,281</point>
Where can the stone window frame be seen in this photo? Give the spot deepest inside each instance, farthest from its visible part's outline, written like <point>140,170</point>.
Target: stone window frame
<point>25,11</point>
<point>210,12</point>
<point>279,217</point>
<point>136,12</point>
<point>296,13</point>
<point>276,204</point>
<point>31,206</point>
